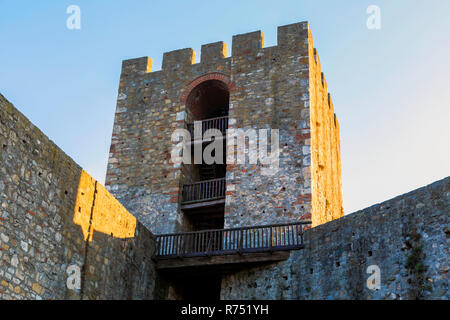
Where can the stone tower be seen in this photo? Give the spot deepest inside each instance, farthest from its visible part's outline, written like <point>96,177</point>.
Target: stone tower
<point>279,87</point>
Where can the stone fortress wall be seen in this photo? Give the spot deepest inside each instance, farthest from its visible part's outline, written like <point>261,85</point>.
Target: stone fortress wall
<point>407,237</point>
<point>47,205</point>
<point>55,218</point>
<point>279,87</point>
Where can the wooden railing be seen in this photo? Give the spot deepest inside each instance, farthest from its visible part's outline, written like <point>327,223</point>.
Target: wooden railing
<point>268,238</point>
<point>220,123</point>
<point>204,190</point>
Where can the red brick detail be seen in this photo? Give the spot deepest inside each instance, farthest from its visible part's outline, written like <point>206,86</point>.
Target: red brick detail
<point>306,216</point>
<point>304,199</point>
<point>206,77</point>
<point>301,137</point>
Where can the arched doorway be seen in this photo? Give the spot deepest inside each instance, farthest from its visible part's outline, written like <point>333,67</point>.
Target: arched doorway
<point>210,99</point>
<point>207,106</point>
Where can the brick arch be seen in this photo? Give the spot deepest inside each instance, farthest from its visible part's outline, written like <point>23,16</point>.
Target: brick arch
<point>206,77</point>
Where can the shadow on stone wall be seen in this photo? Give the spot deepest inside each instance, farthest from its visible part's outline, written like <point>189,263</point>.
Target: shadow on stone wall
<point>57,225</point>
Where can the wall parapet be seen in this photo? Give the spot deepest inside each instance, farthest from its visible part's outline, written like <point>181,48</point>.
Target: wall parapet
<point>290,37</point>
<point>406,238</point>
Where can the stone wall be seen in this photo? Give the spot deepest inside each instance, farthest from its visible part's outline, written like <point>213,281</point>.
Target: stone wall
<point>272,92</point>
<point>277,87</point>
<point>406,237</point>
<point>326,176</point>
<point>149,109</point>
<point>55,219</point>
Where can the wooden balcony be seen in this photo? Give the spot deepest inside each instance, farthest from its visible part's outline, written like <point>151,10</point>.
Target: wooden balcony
<point>203,191</point>
<point>219,123</point>
<point>229,246</point>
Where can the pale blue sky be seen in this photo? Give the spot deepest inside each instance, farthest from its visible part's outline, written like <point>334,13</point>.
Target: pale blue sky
<point>390,87</point>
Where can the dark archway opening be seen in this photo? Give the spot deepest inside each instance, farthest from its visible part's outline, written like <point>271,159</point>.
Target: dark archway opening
<point>210,99</point>
<point>199,288</point>
<point>204,184</point>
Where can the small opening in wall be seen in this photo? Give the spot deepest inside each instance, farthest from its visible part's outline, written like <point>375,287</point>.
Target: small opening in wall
<point>447,232</point>
<point>203,287</point>
<point>370,253</point>
<point>338,264</point>
<point>311,271</point>
<point>24,141</point>
<point>79,209</point>
<point>65,192</point>
<point>252,285</point>
<point>4,147</point>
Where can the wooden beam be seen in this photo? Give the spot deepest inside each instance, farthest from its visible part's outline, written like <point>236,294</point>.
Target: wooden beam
<point>202,141</point>
<point>224,261</point>
<point>202,204</point>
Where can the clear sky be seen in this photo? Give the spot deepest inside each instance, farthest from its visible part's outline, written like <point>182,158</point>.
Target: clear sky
<point>390,87</point>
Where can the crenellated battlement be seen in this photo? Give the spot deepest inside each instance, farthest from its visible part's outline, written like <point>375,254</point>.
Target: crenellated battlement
<point>178,58</point>
<point>247,43</point>
<point>136,65</point>
<point>212,52</point>
<point>292,37</point>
